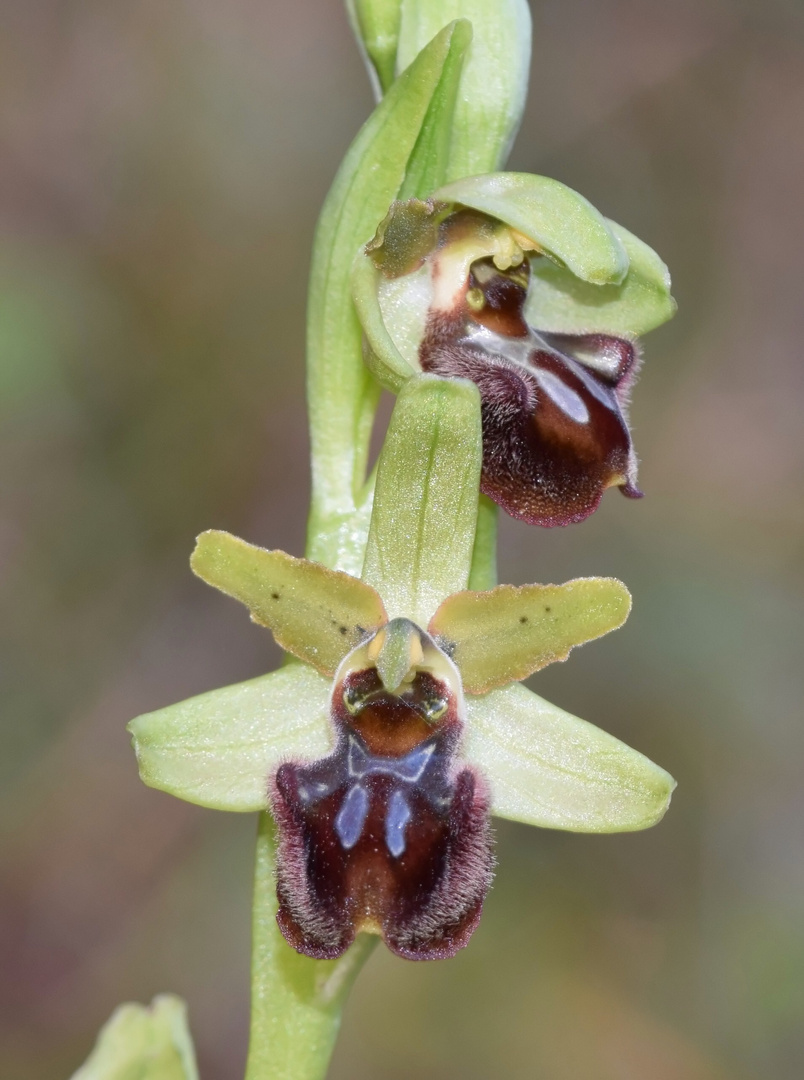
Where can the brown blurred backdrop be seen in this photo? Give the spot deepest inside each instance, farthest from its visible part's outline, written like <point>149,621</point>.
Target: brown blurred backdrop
<point>161,169</point>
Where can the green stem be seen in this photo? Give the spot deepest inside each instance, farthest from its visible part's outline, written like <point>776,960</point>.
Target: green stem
<point>296,1002</point>
<point>483,574</point>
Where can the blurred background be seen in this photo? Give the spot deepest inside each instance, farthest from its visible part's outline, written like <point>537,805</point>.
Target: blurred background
<point>161,170</point>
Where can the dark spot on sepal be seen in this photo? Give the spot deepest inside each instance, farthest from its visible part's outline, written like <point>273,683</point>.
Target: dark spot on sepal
<point>523,618</point>
<point>274,595</point>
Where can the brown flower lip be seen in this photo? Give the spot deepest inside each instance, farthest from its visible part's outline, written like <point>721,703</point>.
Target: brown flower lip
<point>554,406</point>
<point>389,834</point>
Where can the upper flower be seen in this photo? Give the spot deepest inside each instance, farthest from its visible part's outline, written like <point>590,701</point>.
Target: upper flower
<point>515,282</point>
<point>384,750</point>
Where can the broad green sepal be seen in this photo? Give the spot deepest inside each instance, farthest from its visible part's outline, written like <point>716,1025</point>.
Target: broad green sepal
<point>342,395</point>
<point>143,1042</point>
<point>314,613</point>
<point>376,26</point>
<point>425,506</point>
<point>383,357</point>
<point>548,768</point>
<point>507,633</point>
<point>219,749</point>
<point>556,219</point>
<point>559,301</point>
<point>495,76</point>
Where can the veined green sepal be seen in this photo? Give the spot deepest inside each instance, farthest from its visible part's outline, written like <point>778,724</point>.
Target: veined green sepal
<point>546,767</point>
<point>425,505</point>
<point>219,749</point>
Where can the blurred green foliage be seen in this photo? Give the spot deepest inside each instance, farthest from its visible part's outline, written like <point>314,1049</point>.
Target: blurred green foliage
<point>162,169</point>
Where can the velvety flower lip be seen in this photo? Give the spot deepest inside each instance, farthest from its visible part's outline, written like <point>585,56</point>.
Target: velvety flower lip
<point>387,834</point>
<point>512,281</point>
<point>553,406</point>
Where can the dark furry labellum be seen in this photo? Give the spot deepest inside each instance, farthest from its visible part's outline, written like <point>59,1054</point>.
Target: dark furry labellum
<point>555,430</point>
<point>388,834</point>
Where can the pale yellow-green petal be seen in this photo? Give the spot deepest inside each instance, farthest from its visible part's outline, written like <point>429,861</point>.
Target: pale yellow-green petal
<point>425,504</point>
<point>561,302</point>
<point>314,613</point>
<point>141,1042</point>
<point>219,749</point>
<point>546,767</point>
<point>560,221</point>
<point>505,634</point>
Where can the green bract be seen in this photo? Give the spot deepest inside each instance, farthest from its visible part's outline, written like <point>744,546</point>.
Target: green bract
<point>543,765</point>
<point>404,137</point>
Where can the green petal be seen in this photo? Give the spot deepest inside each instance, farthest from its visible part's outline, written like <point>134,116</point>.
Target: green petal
<point>143,1043</point>
<point>559,301</point>
<point>425,504</point>
<point>314,613</point>
<point>495,77</point>
<point>554,217</point>
<point>219,749</point>
<point>507,633</point>
<point>548,768</point>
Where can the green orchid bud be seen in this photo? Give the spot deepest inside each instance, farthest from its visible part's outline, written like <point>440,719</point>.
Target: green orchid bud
<point>376,26</point>
<point>452,286</point>
<point>151,1042</point>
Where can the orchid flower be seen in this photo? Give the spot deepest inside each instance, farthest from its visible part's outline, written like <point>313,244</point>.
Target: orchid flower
<point>400,725</point>
<point>516,282</point>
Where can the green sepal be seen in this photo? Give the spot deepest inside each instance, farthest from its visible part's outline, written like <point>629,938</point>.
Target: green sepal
<point>556,219</point>
<point>142,1042</point>
<point>507,633</point>
<point>382,356</point>
<point>548,768</point>
<point>561,302</point>
<point>425,505</point>
<point>314,613</point>
<point>341,392</point>
<point>495,77</point>
<point>376,26</point>
<point>219,749</point>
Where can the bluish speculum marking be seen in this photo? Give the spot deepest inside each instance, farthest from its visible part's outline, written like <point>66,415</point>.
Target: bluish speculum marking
<point>352,816</point>
<point>398,816</point>
<point>388,833</point>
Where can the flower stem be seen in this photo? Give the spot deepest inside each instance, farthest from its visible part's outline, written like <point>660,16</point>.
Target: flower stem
<point>483,574</point>
<point>296,1002</point>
